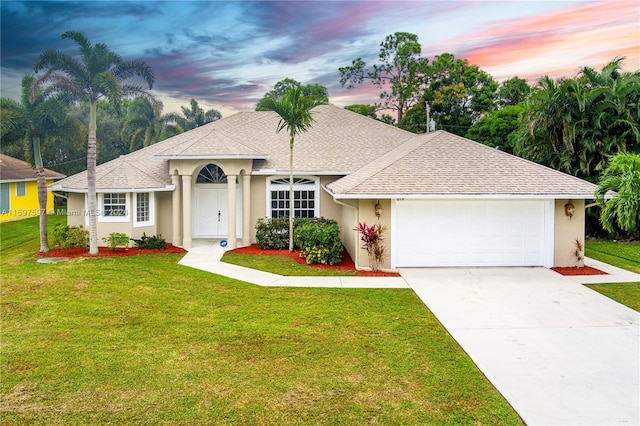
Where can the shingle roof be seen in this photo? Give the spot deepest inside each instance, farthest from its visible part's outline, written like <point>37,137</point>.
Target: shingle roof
<point>339,141</point>
<point>12,169</point>
<point>441,163</point>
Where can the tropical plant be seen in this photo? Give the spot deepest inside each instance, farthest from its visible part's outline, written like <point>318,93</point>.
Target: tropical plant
<point>37,117</point>
<point>371,237</point>
<point>145,124</point>
<point>116,239</point>
<point>576,124</point>
<point>294,110</point>
<point>399,74</point>
<point>99,73</point>
<point>154,242</point>
<point>194,116</point>
<point>622,210</point>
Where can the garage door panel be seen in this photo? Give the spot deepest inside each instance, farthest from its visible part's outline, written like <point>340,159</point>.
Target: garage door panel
<point>469,233</point>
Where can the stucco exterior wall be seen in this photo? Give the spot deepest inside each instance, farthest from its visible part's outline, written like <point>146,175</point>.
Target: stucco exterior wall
<point>567,231</point>
<point>366,214</point>
<point>164,215</point>
<point>76,210</point>
<point>348,221</point>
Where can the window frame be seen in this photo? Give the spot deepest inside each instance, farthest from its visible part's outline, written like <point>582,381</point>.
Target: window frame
<point>23,186</point>
<point>101,206</point>
<point>277,186</point>
<point>151,210</point>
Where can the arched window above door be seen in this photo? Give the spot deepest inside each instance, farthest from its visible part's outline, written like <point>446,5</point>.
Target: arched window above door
<point>211,174</point>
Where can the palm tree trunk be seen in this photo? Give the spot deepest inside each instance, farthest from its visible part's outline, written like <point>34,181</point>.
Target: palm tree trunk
<point>42,195</point>
<point>91,180</point>
<point>291,218</point>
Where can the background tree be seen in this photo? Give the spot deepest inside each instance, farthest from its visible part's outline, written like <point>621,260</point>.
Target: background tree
<point>576,124</point>
<point>294,110</point>
<point>512,92</point>
<point>622,212</point>
<point>144,124</point>
<point>497,129</point>
<point>362,109</point>
<point>283,86</point>
<point>99,73</point>
<point>458,95</point>
<point>195,116</point>
<point>37,118</point>
<point>399,72</point>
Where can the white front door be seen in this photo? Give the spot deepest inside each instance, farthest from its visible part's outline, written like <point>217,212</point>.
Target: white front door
<point>210,211</point>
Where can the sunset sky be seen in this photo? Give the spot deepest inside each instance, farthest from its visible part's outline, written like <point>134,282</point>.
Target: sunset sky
<point>227,54</point>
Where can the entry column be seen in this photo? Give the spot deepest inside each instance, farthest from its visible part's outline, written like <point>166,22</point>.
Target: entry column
<point>175,211</point>
<point>186,211</point>
<point>246,210</point>
<point>231,198</point>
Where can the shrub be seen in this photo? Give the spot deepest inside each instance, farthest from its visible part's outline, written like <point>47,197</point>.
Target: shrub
<point>272,233</point>
<point>155,242</point>
<point>66,237</point>
<point>319,240</point>
<point>117,239</point>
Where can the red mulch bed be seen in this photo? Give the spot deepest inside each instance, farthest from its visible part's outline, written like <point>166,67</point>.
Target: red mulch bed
<point>575,270</point>
<point>346,264</point>
<point>107,252</point>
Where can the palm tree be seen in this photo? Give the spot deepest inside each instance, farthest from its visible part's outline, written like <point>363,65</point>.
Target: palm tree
<point>36,118</point>
<point>623,210</point>
<point>145,124</point>
<point>294,110</point>
<point>196,116</point>
<point>99,73</point>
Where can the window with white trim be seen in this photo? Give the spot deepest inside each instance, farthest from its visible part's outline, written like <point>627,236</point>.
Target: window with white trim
<point>143,206</point>
<point>305,197</point>
<point>21,189</point>
<point>114,207</point>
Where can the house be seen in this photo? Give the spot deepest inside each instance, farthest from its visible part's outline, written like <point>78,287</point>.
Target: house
<point>446,200</point>
<point>19,189</point>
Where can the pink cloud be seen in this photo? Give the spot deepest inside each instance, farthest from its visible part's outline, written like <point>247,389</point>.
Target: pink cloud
<point>556,43</point>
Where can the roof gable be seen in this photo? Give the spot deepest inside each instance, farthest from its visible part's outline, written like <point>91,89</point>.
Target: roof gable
<point>443,164</point>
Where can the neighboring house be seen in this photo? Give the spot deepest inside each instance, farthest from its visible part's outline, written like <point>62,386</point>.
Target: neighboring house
<point>19,189</point>
<point>447,201</point>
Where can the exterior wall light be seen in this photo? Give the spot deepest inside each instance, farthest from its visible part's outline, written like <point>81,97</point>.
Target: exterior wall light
<point>378,209</point>
<point>569,209</point>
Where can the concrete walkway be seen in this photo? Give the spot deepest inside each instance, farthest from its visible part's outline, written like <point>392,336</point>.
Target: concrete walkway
<point>560,353</point>
<point>206,254</point>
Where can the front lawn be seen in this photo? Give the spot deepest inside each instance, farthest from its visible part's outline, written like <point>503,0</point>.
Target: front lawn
<point>142,340</point>
<point>623,255</point>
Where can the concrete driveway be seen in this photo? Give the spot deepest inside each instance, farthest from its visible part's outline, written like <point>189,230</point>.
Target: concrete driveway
<point>560,353</point>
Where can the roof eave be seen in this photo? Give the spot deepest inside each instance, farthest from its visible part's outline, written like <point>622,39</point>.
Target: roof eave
<point>214,157</point>
<point>575,196</point>
<point>165,188</point>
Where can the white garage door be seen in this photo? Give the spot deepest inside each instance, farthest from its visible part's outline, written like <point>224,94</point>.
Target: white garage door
<point>472,233</point>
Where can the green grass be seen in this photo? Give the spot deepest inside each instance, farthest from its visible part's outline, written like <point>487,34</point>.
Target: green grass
<point>142,340</point>
<point>281,265</point>
<point>625,255</point>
